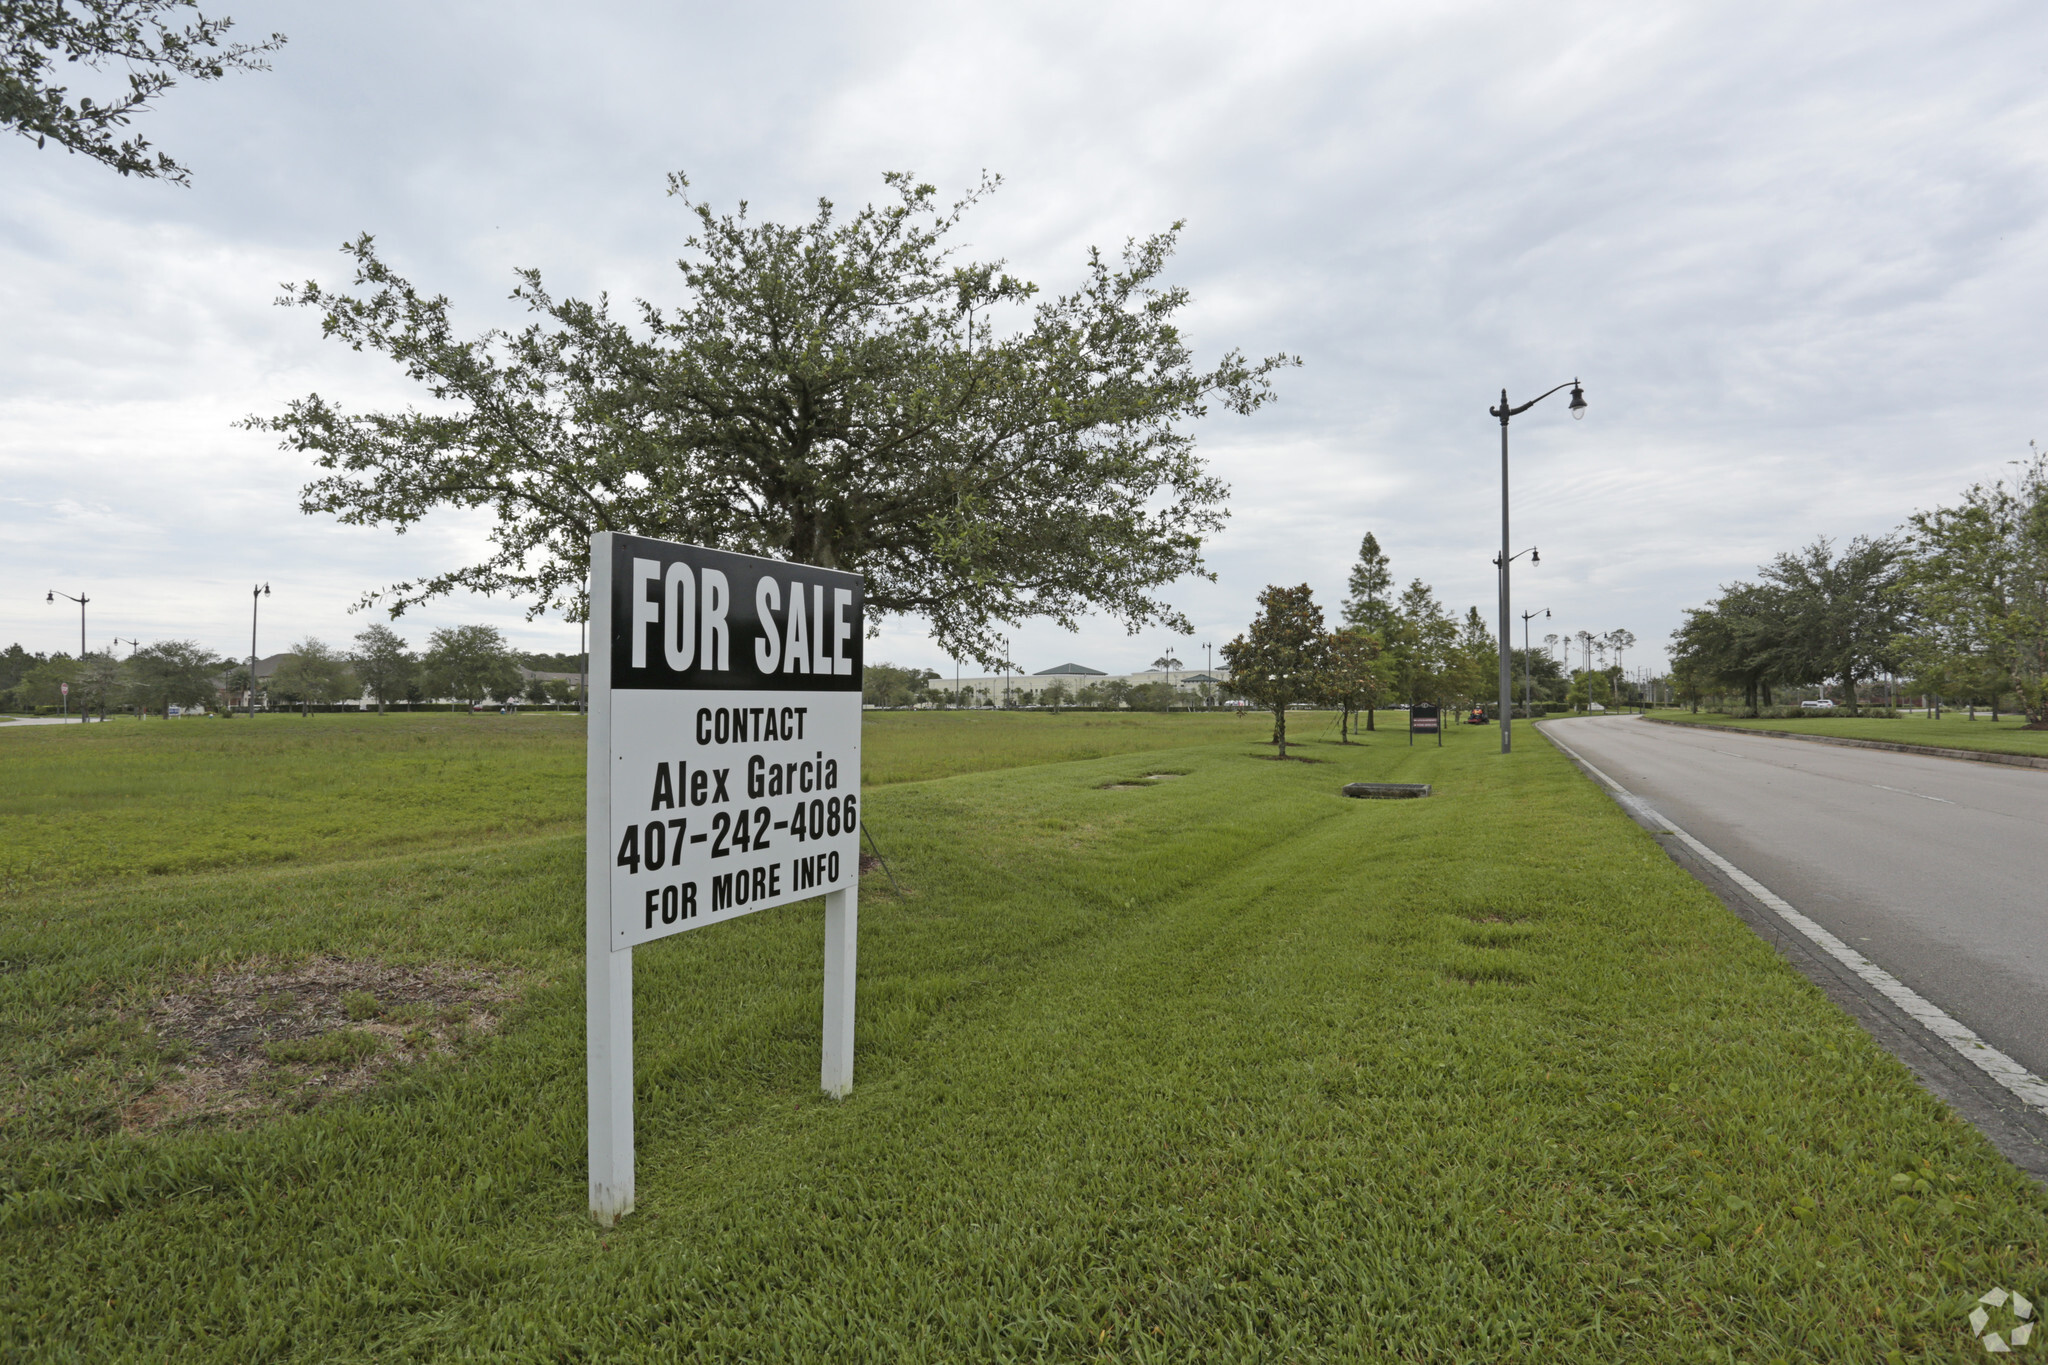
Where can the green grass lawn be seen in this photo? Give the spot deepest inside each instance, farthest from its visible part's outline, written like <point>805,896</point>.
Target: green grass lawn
<point>153,797</point>
<point>1222,1068</point>
<point>1955,730</point>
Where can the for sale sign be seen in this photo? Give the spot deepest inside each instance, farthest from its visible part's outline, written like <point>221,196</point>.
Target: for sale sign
<point>724,778</point>
<point>729,695</point>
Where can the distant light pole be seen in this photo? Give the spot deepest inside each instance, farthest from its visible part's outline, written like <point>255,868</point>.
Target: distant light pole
<point>1504,412</point>
<point>81,599</point>
<point>256,595</point>
<point>133,645</point>
<point>1527,617</point>
<point>1209,653</point>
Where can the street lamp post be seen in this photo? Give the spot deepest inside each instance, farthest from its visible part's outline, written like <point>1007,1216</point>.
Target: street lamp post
<point>81,599</point>
<point>256,595</point>
<point>1527,617</point>
<point>1504,412</point>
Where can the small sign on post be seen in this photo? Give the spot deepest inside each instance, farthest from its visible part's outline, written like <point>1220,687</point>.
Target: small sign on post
<point>1425,720</point>
<point>724,778</point>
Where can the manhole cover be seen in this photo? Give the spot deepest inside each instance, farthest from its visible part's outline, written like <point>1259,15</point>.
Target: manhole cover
<point>1386,791</point>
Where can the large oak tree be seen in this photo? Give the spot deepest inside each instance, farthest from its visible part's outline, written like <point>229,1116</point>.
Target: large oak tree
<point>841,392</point>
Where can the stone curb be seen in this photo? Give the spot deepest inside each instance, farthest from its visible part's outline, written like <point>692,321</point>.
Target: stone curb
<point>1967,755</point>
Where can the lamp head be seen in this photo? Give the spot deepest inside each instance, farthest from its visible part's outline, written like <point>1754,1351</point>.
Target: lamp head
<point>1578,400</point>
<point>1534,556</point>
<point>50,596</point>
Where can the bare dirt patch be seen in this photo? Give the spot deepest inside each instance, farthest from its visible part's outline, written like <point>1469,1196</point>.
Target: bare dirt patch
<point>257,1038</point>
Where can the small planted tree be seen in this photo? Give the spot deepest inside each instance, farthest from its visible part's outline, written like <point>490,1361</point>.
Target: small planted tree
<point>1284,657</point>
<point>1368,603</point>
<point>1423,640</point>
<point>1357,675</point>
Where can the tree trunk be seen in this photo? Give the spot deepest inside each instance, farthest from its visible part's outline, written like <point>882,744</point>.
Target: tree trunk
<point>1849,686</point>
<point>1280,729</point>
<point>1370,707</point>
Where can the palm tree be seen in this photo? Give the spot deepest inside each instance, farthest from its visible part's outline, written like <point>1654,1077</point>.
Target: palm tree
<point>1167,663</point>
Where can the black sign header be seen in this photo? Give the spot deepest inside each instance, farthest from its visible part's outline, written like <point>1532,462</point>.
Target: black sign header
<point>688,618</point>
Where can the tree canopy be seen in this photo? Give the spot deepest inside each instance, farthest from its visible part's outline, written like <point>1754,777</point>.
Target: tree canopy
<point>151,40</point>
<point>383,663</point>
<point>1978,573</point>
<point>834,392</point>
<point>314,674</point>
<point>470,664</point>
<point>172,673</point>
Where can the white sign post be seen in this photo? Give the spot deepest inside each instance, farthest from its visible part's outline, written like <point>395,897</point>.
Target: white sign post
<point>724,778</point>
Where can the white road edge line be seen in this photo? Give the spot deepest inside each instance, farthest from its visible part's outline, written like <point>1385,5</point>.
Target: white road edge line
<point>2028,1088</point>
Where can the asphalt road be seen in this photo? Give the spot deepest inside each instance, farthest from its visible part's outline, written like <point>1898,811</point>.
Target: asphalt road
<point>1935,869</point>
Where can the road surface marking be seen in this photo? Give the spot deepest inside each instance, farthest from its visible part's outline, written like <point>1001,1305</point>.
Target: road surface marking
<point>1903,792</point>
<point>2028,1088</point>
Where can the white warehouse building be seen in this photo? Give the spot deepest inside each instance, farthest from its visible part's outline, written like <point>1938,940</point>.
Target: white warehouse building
<point>1065,683</point>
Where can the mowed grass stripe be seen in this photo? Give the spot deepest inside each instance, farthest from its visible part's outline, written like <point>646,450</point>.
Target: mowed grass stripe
<point>1226,1068</point>
<point>130,799</point>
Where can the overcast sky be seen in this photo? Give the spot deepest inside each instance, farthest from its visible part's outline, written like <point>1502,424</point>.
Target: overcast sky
<point>1794,251</point>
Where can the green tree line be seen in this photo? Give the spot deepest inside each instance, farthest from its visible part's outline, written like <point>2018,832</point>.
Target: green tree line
<point>1954,603</point>
<point>470,664</point>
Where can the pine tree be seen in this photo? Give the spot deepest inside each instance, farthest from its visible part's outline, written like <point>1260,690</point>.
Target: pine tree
<point>1367,606</point>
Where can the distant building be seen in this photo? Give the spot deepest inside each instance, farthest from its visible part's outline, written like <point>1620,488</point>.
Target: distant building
<point>1032,689</point>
